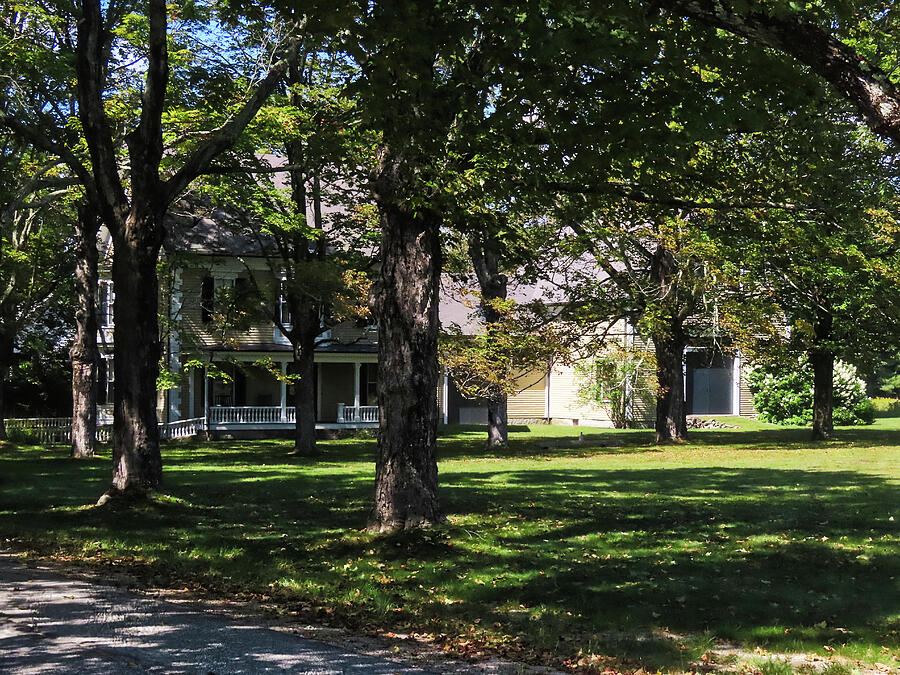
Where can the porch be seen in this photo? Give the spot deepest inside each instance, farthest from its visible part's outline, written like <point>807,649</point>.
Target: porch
<point>225,418</point>
<point>259,397</point>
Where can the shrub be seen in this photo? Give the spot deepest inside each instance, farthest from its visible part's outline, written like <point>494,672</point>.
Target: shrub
<point>886,407</point>
<point>616,379</point>
<point>783,394</point>
<point>21,436</point>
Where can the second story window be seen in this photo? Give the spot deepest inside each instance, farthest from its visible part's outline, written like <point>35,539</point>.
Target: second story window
<point>106,298</point>
<point>284,311</point>
<point>207,298</point>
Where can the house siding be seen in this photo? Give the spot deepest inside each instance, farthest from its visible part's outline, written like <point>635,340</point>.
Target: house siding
<point>565,404</point>
<point>204,335</point>
<point>198,335</point>
<point>531,402</point>
<point>746,404</point>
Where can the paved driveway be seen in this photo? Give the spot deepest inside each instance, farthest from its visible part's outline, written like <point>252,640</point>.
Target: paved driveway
<point>54,624</point>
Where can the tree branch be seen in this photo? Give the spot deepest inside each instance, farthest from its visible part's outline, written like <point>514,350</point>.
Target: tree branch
<point>636,194</point>
<point>40,139</point>
<point>145,146</point>
<point>224,137</point>
<point>89,64</point>
<point>857,80</point>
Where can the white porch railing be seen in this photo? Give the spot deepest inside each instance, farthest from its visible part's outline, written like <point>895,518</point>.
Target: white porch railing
<point>58,430</point>
<point>182,428</point>
<point>42,429</point>
<point>356,413</point>
<point>249,414</point>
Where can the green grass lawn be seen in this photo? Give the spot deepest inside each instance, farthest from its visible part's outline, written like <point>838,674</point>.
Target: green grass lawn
<point>611,552</point>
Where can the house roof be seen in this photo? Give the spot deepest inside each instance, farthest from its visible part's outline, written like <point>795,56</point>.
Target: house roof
<point>210,235</point>
<point>459,298</point>
<point>275,347</point>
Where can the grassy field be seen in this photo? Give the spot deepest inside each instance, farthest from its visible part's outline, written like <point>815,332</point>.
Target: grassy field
<point>606,553</point>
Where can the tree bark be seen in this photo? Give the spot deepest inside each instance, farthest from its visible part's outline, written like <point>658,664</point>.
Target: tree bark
<point>135,218</point>
<point>306,320</point>
<point>305,395</point>
<point>485,256</point>
<point>821,359</point>
<point>137,463</point>
<point>406,306</point>
<point>498,432</point>
<point>823,395</point>
<point>671,419</point>
<point>5,360</point>
<point>84,352</point>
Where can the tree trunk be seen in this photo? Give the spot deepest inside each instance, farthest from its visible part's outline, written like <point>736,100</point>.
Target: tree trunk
<point>137,463</point>
<point>823,395</point>
<point>406,304</point>
<point>483,250</point>
<point>84,351</point>
<point>304,398</point>
<point>498,433</point>
<point>5,360</point>
<point>671,419</point>
<point>821,359</point>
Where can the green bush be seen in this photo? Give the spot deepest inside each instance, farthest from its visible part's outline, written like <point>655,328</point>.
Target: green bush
<point>886,407</point>
<point>783,394</point>
<point>21,436</point>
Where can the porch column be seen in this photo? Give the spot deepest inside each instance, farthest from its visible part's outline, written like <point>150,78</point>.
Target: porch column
<point>356,369</point>
<point>283,391</point>
<point>206,395</point>
<point>736,385</point>
<point>191,376</point>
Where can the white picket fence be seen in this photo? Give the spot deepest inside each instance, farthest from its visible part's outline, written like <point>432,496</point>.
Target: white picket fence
<point>58,430</point>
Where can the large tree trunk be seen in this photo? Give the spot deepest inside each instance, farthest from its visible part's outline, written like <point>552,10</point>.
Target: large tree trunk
<point>305,316</point>
<point>137,464</point>
<point>671,419</point>
<point>5,360</point>
<point>304,396</point>
<point>406,303</point>
<point>483,249</point>
<point>821,358</point>
<point>498,432</point>
<point>823,394</point>
<point>84,350</point>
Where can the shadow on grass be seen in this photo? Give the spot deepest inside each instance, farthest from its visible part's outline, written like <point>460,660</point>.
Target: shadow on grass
<point>468,441</point>
<point>572,559</point>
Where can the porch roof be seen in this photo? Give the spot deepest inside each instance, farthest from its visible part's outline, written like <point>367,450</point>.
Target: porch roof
<point>272,347</point>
